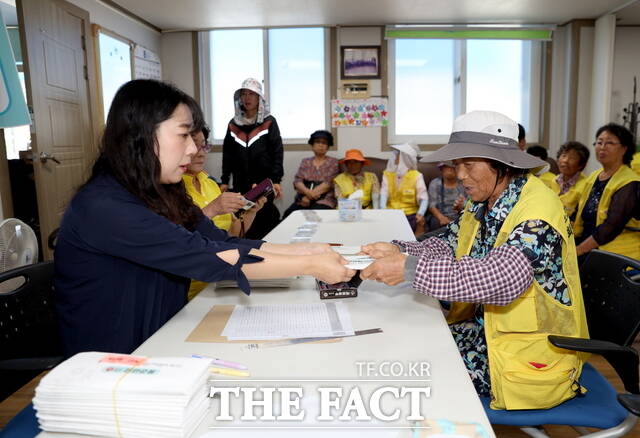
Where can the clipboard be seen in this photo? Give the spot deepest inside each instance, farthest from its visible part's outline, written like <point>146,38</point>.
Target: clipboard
<point>211,327</point>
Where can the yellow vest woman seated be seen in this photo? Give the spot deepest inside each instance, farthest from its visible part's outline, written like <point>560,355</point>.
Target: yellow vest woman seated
<point>509,266</point>
<point>215,204</point>
<point>403,186</point>
<point>607,216</point>
<point>570,183</point>
<point>354,178</point>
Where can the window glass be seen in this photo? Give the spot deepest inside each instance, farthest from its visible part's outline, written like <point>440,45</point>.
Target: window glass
<point>115,67</point>
<point>235,55</point>
<point>296,80</point>
<point>17,138</point>
<point>498,77</point>
<point>424,86</point>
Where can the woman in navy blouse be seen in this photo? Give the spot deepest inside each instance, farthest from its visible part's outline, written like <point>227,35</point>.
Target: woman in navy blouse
<point>131,238</point>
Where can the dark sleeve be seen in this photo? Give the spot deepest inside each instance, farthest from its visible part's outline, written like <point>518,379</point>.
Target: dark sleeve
<point>207,228</point>
<point>276,150</point>
<point>621,210</point>
<point>131,231</point>
<point>227,146</point>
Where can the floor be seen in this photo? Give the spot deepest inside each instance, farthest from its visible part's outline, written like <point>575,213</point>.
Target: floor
<point>11,406</point>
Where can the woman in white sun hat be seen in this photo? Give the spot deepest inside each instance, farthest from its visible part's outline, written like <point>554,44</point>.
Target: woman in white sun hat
<point>252,151</point>
<point>508,264</point>
<point>403,187</point>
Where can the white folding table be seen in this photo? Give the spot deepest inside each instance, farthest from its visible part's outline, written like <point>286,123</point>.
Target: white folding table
<point>414,331</point>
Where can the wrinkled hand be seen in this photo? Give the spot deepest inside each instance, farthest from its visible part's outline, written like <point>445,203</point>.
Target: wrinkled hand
<point>380,249</point>
<point>277,191</point>
<point>305,201</point>
<point>251,213</point>
<point>329,267</point>
<point>309,195</point>
<point>388,270</point>
<point>227,202</point>
<point>444,220</point>
<point>419,219</point>
<point>459,203</point>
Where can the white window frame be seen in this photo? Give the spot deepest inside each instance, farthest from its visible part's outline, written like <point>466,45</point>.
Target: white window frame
<point>204,76</point>
<point>533,62</point>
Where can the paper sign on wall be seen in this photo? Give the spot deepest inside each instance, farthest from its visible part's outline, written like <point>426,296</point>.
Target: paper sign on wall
<point>360,112</point>
<point>13,105</point>
<point>146,64</point>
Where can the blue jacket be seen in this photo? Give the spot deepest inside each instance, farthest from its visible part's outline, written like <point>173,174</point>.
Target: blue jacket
<point>122,271</point>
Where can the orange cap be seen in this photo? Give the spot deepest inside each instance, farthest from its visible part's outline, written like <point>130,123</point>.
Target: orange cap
<point>355,154</point>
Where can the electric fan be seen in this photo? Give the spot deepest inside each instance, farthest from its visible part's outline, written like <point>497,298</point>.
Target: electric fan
<point>18,244</point>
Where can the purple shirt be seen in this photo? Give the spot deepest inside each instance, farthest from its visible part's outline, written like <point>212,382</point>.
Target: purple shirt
<point>308,174</point>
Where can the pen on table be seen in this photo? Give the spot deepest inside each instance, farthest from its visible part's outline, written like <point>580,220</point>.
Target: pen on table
<point>335,244</point>
<point>229,372</point>
<point>224,363</point>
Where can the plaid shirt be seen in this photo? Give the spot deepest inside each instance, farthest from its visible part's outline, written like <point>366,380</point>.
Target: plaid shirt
<point>490,275</point>
<point>496,279</point>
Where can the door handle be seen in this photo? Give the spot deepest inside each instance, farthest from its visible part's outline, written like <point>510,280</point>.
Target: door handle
<point>45,156</point>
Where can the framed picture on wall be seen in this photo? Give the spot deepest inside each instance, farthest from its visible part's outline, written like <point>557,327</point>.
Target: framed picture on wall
<point>360,62</point>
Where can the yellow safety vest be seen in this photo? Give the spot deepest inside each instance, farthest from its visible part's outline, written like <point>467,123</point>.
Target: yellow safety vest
<point>403,197</point>
<point>571,197</point>
<point>345,182</point>
<point>635,163</point>
<point>547,178</point>
<point>210,191</point>
<point>527,371</point>
<point>628,241</point>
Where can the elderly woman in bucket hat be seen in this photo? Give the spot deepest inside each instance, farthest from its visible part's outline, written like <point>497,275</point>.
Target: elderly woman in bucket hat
<point>354,178</point>
<point>252,151</point>
<point>508,265</point>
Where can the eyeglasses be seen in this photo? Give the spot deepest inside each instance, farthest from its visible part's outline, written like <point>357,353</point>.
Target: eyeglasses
<point>205,147</point>
<point>605,143</point>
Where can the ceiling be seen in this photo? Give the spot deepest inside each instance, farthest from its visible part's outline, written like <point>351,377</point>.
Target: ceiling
<point>204,14</point>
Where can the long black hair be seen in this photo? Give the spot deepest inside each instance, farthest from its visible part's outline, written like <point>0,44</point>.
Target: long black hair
<point>128,147</point>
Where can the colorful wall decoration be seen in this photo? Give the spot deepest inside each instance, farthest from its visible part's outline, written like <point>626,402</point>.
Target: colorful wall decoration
<point>360,112</point>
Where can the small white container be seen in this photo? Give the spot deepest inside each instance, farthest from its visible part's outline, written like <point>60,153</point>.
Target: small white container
<point>350,210</point>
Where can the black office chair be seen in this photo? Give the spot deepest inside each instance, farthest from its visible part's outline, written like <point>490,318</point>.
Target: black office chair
<point>29,336</point>
<point>612,305</point>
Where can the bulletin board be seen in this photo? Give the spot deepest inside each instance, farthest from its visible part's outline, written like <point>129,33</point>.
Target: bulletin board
<point>372,112</point>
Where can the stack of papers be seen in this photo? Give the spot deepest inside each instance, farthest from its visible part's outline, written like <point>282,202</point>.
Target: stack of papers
<point>116,395</point>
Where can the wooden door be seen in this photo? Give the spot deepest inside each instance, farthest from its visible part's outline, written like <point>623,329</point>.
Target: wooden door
<point>54,37</point>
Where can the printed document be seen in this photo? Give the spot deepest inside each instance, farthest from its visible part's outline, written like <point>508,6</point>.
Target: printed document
<point>283,321</point>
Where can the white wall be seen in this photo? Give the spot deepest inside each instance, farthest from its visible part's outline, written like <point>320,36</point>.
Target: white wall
<point>116,21</point>
<point>584,103</point>
<point>626,65</point>
<point>177,60</point>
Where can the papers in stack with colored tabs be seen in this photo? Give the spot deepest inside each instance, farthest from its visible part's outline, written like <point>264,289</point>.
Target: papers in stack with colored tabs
<point>114,395</point>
